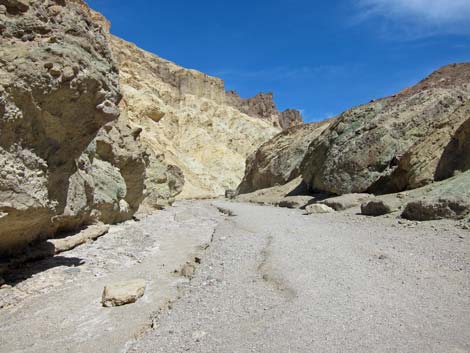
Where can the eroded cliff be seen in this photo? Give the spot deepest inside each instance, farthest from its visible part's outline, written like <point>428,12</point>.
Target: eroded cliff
<point>396,143</point>
<point>189,119</point>
<point>63,159</point>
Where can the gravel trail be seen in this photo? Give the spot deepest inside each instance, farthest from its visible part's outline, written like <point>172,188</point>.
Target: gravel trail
<point>275,280</point>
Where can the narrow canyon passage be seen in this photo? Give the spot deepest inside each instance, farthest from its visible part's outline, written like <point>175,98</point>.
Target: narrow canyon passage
<point>275,280</point>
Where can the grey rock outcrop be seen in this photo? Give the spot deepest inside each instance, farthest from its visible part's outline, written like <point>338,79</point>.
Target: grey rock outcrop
<point>64,159</point>
<point>278,160</point>
<point>434,209</point>
<point>446,199</point>
<point>397,143</point>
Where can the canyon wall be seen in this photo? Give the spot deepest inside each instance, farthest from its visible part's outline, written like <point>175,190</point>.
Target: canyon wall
<point>402,142</point>
<point>395,143</point>
<point>65,158</point>
<point>189,119</point>
<point>73,152</point>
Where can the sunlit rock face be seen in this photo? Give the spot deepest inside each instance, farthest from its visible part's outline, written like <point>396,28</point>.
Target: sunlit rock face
<point>190,121</point>
<point>401,142</point>
<point>278,160</point>
<point>63,158</point>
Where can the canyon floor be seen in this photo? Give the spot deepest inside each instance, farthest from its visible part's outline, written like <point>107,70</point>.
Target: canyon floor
<point>269,280</point>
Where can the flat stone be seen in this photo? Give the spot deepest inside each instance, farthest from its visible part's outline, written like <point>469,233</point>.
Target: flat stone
<point>295,201</point>
<point>344,202</point>
<point>118,294</point>
<point>318,208</point>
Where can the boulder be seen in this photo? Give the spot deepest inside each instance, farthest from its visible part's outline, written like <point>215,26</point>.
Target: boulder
<point>378,207</point>
<point>277,161</point>
<point>396,143</point>
<point>344,202</point>
<point>318,208</point>
<point>118,170</point>
<point>122,293</point>
<point>445,199</point>
<point>435,209</point>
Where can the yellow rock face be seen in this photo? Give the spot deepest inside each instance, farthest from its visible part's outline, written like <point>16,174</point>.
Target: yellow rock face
<point>186,115</point>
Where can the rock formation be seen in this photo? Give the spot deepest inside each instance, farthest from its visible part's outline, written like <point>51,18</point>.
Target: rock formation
<point>404,142</point>
<point>446,199</point>
<point>58,88</point>
<point>262,106</point>
<point>397,143</point>
<point>278,160</point>
<point>190,121</point>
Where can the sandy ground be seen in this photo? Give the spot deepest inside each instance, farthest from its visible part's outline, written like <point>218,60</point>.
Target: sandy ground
<point>54,304</point>
<point>275,280</point>
<point>272,280</point>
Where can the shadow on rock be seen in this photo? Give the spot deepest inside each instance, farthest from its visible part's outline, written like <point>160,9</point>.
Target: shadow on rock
<point>27,270</point>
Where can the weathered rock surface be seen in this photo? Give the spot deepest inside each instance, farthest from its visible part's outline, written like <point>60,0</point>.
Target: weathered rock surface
<point>446,199</point>
<point>378,207</point>
<point>318,208</point>
<point>401,142</point>
<point>274,195</point>
<point>262,106</point>
<point>344,202</point>
<point>118,171</point>
<point>163,183</point>
<point>278,160</point>
<point>433,209</point>
<point>189,120</point>
<point>64,159</point>
<point>299,201</point>
<point>122,293</point>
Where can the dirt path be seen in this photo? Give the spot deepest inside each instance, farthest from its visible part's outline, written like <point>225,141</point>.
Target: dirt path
<point>54,305</point>
<point>277,281</point>
<point>272,280</point>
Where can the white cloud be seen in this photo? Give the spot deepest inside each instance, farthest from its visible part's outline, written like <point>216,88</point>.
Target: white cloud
<point>421,17</point>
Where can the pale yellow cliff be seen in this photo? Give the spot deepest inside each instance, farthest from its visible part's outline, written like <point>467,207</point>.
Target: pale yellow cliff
<point>186,115</point>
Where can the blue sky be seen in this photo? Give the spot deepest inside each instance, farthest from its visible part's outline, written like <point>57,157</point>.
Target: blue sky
<point>321,57</point>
